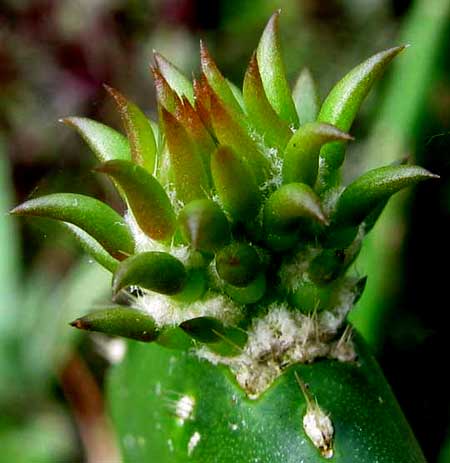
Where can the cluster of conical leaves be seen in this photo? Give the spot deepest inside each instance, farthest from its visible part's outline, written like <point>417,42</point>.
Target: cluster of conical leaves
<point>241,178</point>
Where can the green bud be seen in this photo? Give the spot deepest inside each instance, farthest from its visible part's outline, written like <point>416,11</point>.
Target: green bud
<point>155,271</point>
<point>204,225</point>
<point>238,264</point>
<point>248,294</point>
<point>120,321</point>
<point>290,207</point>
<point>310,297</point>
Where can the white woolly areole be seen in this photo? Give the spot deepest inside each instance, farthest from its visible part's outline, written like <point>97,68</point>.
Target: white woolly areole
<point>319,428</point>
<point>168,312</point>
<point>284,337</point>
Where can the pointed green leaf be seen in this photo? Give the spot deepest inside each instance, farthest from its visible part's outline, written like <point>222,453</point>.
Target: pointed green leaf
<point>173,337</point>
<point>189,173</point>
<point>306,97</point>
<point>155,271</point>
<point>92,247</point>
<point>174,77</point>
<point>235,185</point>
<point>237,94</point>
<point>273,75</point>
<point>201,138</point>
<point>249,294</point>
<point>238,264</point>
<point>289,207</point>
<point>139,131</point>
<point>91,215</point>
<point>146,198</point>
<point>342,104</point>
<point>274,130</point>
<point>120,321</point>
<point>301,157</point>
<point>165,95</point>
<point>105,142</point>
<point>204,225</point>
<point>203,329</point>
<point>217,81</point>
<point>229,132</point>
<point>367,192</point>
<point>202,94</point>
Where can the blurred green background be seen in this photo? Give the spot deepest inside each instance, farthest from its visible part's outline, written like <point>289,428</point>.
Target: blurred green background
<point>54,57</point>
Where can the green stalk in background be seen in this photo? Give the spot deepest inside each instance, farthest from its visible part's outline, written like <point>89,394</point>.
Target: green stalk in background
<point>398,123</point>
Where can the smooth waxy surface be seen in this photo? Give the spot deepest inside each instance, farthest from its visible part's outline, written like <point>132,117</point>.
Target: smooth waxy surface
<point>120,321</point>
<point>146,198</point>
<point>91,215</point>
<point>156,271</point>
<point>216,422</point>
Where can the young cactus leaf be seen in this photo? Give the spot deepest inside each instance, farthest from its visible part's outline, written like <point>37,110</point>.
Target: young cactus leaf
<point>306,97</point>
<point>120,321</point>
<point>92,247</point>
<point>195,287</point>
<point>367,192</point>
<point>189,173</point>
<point>146,198</point>
<point>165,95</point>
<point>310,297</point>
<point>343,102</point>
<point>235,185</point>
<point>232,342</point>
<point>238,264</point>
<point>274,130</point>
<point>217,81</point>
<point>97,219</point>
<point>271,67</point>
<point>202,92</point>
<point>229,132</point>
<point>201,138</point>
<point>155,271</point>
<point>106,143</point>
<point>248,294</point>
<point>204,225</point>
<point>203,329</point>
<point>139,131</point>
<point>301,157</point>
<point>237,94</point>
<point>174,77</point>
<point>287,207</point>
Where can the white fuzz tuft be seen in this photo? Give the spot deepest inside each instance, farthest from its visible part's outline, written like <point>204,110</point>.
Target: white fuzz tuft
<point>193,442</point>
<point>319,428</point>
<point>279,340</point>
<point>168,312</point>
<point>184,408</point>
